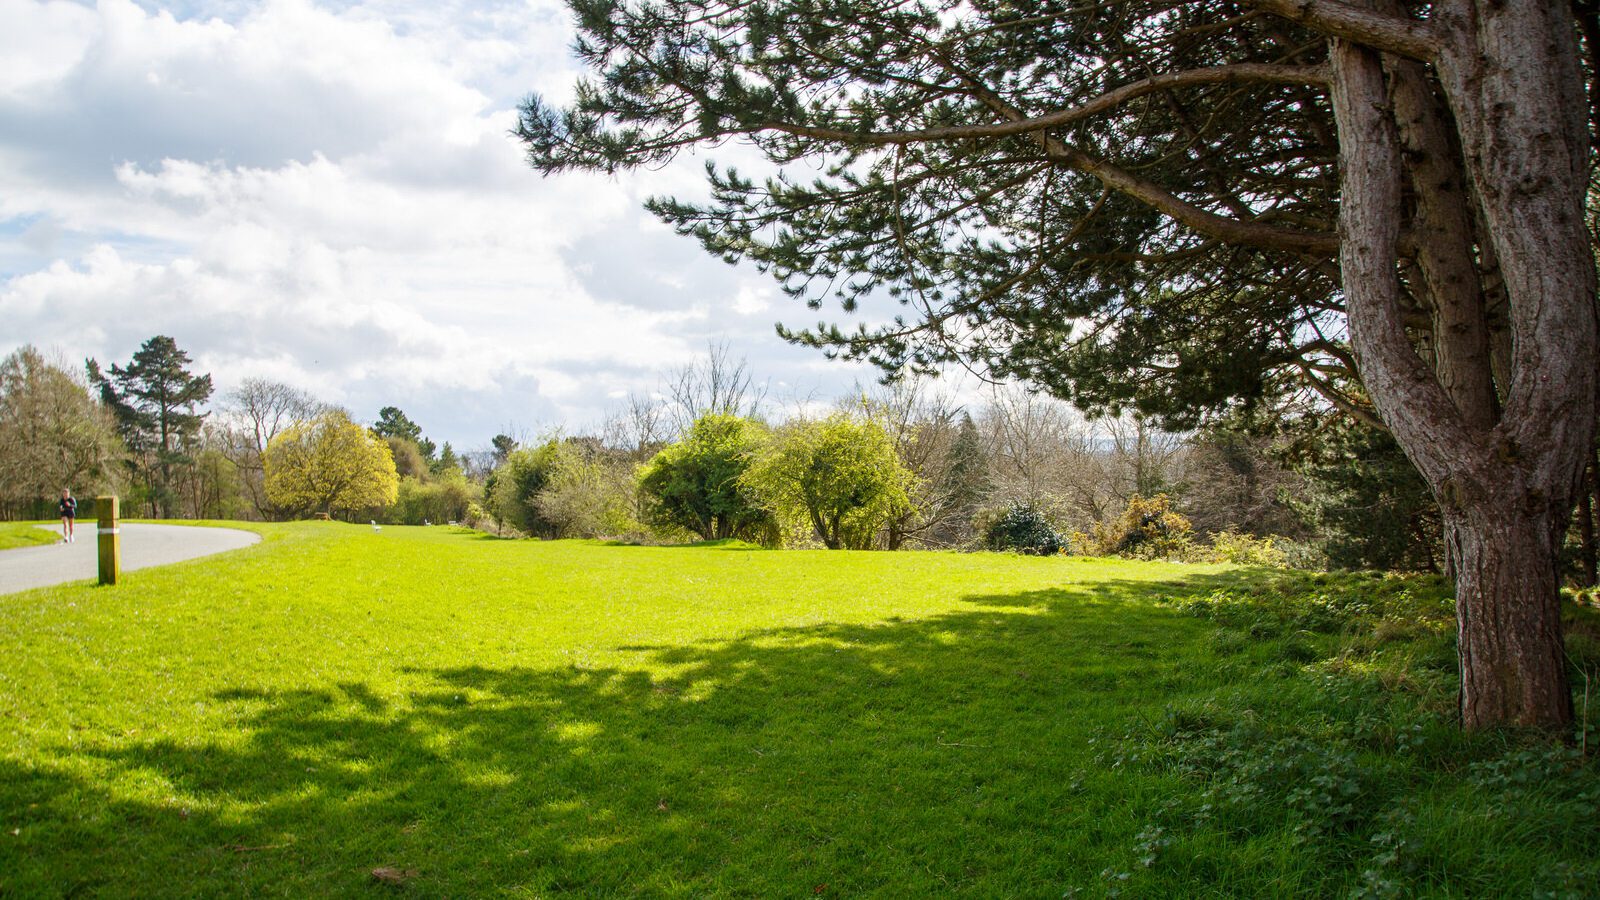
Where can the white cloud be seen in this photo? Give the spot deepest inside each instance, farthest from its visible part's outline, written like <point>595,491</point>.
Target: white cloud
<point>331,198</point>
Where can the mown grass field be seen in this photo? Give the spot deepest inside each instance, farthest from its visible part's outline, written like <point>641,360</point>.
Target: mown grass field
<point>497,718</point>
<point>26,534</point>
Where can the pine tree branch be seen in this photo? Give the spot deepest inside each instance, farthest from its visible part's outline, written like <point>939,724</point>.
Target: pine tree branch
<point>1241,72</point>
<point>1367,27</point>
<point>1204,221</point>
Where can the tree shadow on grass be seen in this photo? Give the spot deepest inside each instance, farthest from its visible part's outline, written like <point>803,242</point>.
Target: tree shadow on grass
<point>951,753</point>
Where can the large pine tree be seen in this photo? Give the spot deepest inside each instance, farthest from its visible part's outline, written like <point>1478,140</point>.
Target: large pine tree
<point>1175,205</point>
<point>156,400</point>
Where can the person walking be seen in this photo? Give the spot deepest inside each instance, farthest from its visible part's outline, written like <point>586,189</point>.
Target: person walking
<point>69,511</point>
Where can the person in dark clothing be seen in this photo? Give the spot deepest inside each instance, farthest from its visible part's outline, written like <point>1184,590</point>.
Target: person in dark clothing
<point>69,511</point>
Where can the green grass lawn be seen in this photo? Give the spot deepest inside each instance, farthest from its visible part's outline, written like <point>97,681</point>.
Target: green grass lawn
<point>26,534</point>
<point>499,718</point>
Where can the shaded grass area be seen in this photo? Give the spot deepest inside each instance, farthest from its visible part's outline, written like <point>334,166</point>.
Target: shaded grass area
<point>26,534</point>
<point>510,718</point>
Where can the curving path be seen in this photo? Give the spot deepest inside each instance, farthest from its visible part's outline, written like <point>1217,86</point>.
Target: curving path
<point>142,546</point>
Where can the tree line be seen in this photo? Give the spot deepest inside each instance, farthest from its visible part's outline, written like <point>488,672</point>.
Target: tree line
<point>711,456</point>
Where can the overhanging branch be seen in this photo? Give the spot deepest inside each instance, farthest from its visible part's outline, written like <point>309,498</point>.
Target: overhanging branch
<point>1241,72</point>
<point>1359,25</point>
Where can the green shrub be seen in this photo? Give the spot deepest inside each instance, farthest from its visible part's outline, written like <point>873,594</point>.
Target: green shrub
<point>698,484</point>
<point>511,493</point>
<point>1244,550</point>
<point>841,475</point>
<point>419,502</point>
<point>1147,529</point>
<point>1024,529</point>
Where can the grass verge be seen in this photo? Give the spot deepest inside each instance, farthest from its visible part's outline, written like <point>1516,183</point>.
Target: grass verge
<point>26,534</point>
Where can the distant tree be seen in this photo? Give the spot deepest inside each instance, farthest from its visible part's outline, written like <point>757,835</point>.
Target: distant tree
<point>408,459</point>
<point>1237,480</point>
<point>503,445</point>
<point>925,429</point>
<point>330,465</point>
<point>156,401</point>
<point>698,484</point>
<point>583,499</point>
<point>1141,460</point>
<point>447,462</point>
<point>394,423</point>
<point>1369,506</point>
<point>512,492</point>
<point>214,486</point>
<point>1041,453</point>
<point>841,475</point>
<point>255,412</point>
<point>640,428</point>
<point>715,385</point>
<point>52,434</point>
<point>966,483</point>
<point>444,499</point>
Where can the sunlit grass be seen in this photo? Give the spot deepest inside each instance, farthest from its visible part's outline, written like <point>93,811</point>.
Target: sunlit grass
<point>489,717</point>
<point>26,534</point>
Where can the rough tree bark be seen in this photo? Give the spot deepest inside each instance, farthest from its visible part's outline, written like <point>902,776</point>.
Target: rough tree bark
<point>1506,479</point>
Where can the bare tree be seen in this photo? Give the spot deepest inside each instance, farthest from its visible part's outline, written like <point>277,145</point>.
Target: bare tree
<point>925,426</point>
<point>639,428</point>
<point>1232,480</point>
<point>1042,453</point>
<point>52,434</point>
<point>1141,459</point>
<point>717,383</point>
<point>257,411</point>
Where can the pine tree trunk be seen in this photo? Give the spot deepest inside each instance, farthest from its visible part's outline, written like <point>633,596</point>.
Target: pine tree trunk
<point>1506,483</point>
<point>1508,622</point>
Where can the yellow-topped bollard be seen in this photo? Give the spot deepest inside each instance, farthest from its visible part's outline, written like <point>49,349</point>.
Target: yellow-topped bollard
<point>110,539</point>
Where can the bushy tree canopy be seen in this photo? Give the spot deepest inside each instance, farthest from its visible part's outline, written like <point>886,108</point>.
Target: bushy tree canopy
<point>443,499</point>
<point>53,435</point>
<point>408,459</point>
<point>588,493</point>
<point>840,475</point>
<point>330,465</point>
<point>394,423</point>
<point>698,484</point>
<point>512,492</point>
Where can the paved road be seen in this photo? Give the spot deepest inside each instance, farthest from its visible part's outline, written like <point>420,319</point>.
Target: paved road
<point>142,546</point>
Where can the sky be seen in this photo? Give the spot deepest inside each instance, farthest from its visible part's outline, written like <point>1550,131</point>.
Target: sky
<point>327,194</point>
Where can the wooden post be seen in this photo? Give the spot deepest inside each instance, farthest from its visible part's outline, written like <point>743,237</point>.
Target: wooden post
<point>110,539</point>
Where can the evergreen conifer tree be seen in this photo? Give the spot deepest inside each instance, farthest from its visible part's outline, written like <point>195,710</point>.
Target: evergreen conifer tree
<point>156,400</point>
